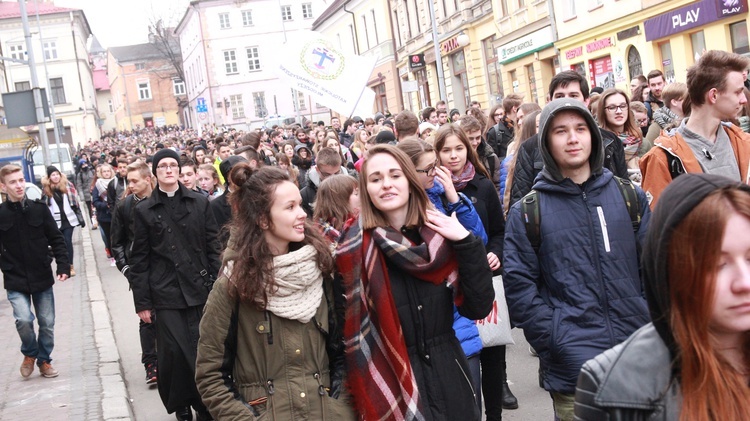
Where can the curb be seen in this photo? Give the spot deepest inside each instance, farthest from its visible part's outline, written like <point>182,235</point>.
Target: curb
<point>115,401</point>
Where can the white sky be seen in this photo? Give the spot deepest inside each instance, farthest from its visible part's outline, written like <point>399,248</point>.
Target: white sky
<point>125,22</point>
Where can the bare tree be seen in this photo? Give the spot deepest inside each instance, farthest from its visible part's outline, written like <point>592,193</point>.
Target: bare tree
<point>167,43</point>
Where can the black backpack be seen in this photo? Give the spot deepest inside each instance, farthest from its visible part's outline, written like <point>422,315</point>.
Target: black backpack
<point>532,216</point>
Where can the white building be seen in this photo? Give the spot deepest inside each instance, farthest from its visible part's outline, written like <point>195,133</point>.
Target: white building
<point>226,47</point>
<point>69,78</point>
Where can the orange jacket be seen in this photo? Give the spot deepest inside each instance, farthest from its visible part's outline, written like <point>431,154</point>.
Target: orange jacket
<point>655,168</point>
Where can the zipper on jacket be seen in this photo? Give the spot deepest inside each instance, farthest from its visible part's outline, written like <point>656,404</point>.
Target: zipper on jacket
<point>600,276</point>
<point>473,393</point>
<point>603,223</point>
<point>269,319</point>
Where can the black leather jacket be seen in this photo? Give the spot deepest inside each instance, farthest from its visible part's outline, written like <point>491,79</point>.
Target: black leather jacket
<point>632,381</point>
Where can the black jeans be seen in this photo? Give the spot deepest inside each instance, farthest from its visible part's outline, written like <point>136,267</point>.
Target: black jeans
<point>147,332</point>
<point>493,378</point>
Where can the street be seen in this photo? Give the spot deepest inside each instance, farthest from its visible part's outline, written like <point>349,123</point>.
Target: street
<point>99,381</point>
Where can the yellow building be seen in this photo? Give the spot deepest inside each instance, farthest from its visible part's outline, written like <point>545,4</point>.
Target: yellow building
<point>364,28</point>
<point>524,49</point>
<point>465,36</point>
<point>613,42</point>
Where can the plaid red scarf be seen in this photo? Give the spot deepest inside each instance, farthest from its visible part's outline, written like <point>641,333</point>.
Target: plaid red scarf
<point>380,375</point>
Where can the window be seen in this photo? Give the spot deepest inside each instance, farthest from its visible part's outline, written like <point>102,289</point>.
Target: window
<point>17,51</point>
<point>299,100</point>
<point>367,33</point>
<point>666,62</point>
<point>238,110</point>
<point>634,63</point>
<point>111,106</point>
<point>698,42</point>
<point>408,19</point>
<point>532,82</point>
<point>224,21</point>
<point>417,3</point>
<point>144,90</point>
<point>493,68</point>
<point>375,27</point>
<point>503,7</point>
<point>522,3</point>
<point>140,66</point>
<point>738,34</point>
<point>306,11</point>
<point>50,50</point>
<point>22,86</point>
<point>514,81</point>
<point>381,100</point>
<point>178,87</point>
<point>230,62</point>
<point>397,24</point>
<point>259,102</point>
<point>423,88</point>
<point>253,59</point>
<point>286,13</point>
<point>57,90</point>
<point>569,9</point>
<point>247,18</point>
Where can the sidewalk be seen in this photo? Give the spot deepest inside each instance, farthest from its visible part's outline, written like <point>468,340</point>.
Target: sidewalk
<point>90,385</point>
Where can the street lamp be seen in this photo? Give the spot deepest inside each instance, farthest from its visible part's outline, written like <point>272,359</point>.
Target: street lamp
<point>462,39</point>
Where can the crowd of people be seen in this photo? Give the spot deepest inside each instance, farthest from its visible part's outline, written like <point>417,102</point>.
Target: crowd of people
<point>337,272</point>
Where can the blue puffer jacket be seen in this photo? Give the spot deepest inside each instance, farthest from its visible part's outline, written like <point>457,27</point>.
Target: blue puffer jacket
<point>504,174</point>
<point>582,294</point>
<point>466,330</point>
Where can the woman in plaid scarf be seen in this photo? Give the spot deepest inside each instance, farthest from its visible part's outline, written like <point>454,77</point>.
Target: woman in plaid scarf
<point>403,266</point>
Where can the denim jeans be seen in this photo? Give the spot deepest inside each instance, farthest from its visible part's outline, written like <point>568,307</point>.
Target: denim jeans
<point>44,306</point>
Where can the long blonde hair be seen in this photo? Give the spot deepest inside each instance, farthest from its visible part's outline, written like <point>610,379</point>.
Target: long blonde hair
<point>48,188</point>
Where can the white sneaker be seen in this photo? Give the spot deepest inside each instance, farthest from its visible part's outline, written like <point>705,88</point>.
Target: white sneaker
<point>112,262</point>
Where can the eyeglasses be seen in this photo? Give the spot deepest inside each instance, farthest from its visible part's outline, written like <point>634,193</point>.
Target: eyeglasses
<point>429,170</point>
<point>612,108</point>
<point>642,122</point>
<point>164,167</point>
<point>498,115</point>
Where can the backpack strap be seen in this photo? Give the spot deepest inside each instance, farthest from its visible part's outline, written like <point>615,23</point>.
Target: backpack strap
<point>531,218</point>
<point>627,190</point>
<point>675,165</point>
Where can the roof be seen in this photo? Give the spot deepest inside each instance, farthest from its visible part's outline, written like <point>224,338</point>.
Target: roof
<point>333,8</point>
<point>140,52</point>
<point>11,9</point>
<point>95,46</point>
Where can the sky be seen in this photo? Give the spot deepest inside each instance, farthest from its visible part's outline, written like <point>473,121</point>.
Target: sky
<point>125,22</point>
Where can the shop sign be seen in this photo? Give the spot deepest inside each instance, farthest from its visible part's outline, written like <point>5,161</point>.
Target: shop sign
<point>450,45</point>
<point>599,45</point>
<point>416,61</point>
<point>692,16</point>
<point>575,52</point>
<point>527,44</point>
<point>402,71</point>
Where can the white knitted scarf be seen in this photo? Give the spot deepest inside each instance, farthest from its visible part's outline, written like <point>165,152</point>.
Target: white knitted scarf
<point>300,285</point>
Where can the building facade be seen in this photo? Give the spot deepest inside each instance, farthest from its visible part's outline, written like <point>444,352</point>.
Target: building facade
<point>524,48</point>
<point>227,46</point>
<point>62,63</point>
<point>144,86</point>
<point>364,28</point>
<point>611,41</point>
<point>104,103</point>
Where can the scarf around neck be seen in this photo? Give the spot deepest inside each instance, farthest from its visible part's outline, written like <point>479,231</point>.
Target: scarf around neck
<point>101,185</point>
<point>381,378</point>
<point>299,285</point>
<point>462,180</point>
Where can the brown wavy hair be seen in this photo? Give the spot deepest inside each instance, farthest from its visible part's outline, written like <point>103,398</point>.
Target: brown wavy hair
<point>712,388</point>
<point>631,127</point>
<point>252,274</point>
<point>332,200</point>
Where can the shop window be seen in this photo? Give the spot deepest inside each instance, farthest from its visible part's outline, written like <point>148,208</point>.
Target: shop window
<point>602,76</point>
<point>698,42</point>
<point>423,88</point>
<point>635,67</point>
<point>532,82</point>
<point>493,67</point>
<point>738,33</point>
<point>458,62</point>
<point>666,61</point>
<point>579,68</point>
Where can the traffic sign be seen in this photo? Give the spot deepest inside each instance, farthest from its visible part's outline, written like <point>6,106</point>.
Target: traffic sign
<point>200,105</point>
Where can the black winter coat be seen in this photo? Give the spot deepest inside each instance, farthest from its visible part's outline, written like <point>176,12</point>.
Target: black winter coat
<point>115,190</point>
<point>529,163</point>
<point>425,311</point>
<point>486,201</point>
<point>223,215</point>
<point>163,271</point>
<point>122,233</point>
<point>26,230</point>
<point>499,137</point>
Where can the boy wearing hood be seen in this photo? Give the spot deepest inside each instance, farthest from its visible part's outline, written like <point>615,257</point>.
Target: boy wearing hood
<point>578,292</point>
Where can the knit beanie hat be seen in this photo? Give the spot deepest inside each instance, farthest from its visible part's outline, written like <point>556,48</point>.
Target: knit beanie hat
<point>385,136</point>
<point>52,169</point>
<point>164,153</point>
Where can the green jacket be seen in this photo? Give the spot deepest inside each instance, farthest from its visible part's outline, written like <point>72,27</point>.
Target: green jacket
<point>253,364</point>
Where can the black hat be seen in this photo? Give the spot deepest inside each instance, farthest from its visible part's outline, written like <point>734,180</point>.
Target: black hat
<point>164,153</point>
<point>226,165</point>
<point>385,136</point>
<point>52,169</point>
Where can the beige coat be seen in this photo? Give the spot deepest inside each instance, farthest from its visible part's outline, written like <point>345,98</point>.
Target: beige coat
<point>253,364</point>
